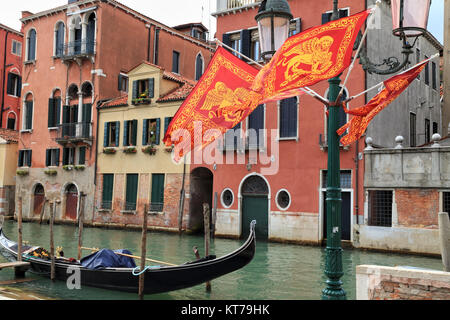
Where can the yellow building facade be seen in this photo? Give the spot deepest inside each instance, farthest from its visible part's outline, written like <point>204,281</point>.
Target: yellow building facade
<point>8,165</point>
<point>135,171</point>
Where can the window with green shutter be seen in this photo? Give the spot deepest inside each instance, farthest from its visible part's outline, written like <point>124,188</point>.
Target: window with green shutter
<point>151,132</point>
<point>25,158</point>
<point>130,133</point>
<point>131,192</point>
<point>28,119</point>
<point>157,197</point>
<point>52,157</point>
<point>111,134</point>
<point>54,112</point>
<point>82,156</point>
<point>107,193</point>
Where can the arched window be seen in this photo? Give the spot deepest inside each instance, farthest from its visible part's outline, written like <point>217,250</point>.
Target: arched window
<point>59,39</point>
<point>86,88</point>
<point>90,37</point>
<point>198,67</point>
<point>31,45</point>
<point>73,92</point>
<point>11,121</point>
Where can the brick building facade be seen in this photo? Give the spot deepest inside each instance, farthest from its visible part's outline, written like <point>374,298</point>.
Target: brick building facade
<point>75,57</point>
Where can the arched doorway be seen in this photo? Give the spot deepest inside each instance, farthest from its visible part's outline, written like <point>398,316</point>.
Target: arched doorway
<point>255,206</point>
<point>201,185</point>
<point>39,199</point>
<point>71,201</point>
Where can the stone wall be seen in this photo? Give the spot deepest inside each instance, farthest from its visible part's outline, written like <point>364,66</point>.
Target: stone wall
<point>401,283</point>
<point>7,200</point>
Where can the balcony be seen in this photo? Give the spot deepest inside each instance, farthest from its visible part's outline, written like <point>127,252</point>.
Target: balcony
<point>75,133</point>
<point>224,6</point>
<point>76,50</point>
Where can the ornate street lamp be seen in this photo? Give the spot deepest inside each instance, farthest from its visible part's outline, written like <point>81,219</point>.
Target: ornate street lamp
<point>273,19</point>
<point>409,21</point>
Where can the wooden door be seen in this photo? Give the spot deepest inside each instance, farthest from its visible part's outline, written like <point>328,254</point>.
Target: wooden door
<point>39,199</point>
<point>346,216</point>
<point>255,208</point>
<point>71,202</point>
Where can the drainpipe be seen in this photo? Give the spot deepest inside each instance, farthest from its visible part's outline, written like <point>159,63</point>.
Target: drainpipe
<point>357,181</point>
<point>149,27</point>
<point>3,81</point>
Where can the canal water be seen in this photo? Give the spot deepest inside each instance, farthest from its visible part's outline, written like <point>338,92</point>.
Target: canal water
<point>278,271</point>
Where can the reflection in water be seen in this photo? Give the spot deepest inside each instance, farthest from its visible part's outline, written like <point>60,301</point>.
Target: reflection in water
<point>278,271</point>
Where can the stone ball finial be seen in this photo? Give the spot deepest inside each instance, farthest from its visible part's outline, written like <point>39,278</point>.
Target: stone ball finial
<point>399,141</point>
<point>436,138</point>
<point>369,142</point>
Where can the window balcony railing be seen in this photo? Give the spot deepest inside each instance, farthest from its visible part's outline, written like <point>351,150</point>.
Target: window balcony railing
<point>223,5</point>
<point>156,207</point>
<point>75,49</point>
<point>74,132</point>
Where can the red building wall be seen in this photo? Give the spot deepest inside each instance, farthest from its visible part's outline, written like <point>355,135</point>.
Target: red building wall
<point>300,162</point>
<point>9,104</point>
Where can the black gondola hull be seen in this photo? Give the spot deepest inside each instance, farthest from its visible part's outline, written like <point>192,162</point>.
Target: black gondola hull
<point>157,279</point>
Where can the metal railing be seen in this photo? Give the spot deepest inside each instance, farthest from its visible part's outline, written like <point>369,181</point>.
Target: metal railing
<point>156,207</point>
<point>76,48</point>
<point>223,5</point>
<point>75,131</point>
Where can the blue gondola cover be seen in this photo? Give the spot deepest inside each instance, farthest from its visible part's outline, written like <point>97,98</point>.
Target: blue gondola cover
<point>106,258</point>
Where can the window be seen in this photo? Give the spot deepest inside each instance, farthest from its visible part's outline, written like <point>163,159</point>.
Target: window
<point>59,39</point>
<point>326,17</point>
<point>28,115</point>
<point>130,133</point>
<point>151,132</point>
<point>167,122</point>
<point>412,129</point>
<point>380,208</point>
<point>52,157</point>
<point>144,88</point>
<point>111,134</point>
<point>157,198</point>
<point>232,139</point>
<point>345,179</point>
<point>427,131</point>
<point>25,158</point>
<point>54,112</point>
<point>176,62</point>
<point>123,83</point>
<point>288,118</point>
<point>227,198</point>
<point>131,192</point>
<point>446,202</point>
<point>435,127</point>
<point>433,76</point>
<point>255,53</point>
<point>295,27</point>
<point>11,124</point>
<point>14,86</point>
<point>256,128</point>
<point>82,156</point>
<point>107,192</point>
<point>283,200</point>
<point>68,156</point>
<point>236,45</point>
<point>31,45</point>
<point>427,72</point>
<point>86,89</point>
<point>198,67</point>
<point>16,48</point>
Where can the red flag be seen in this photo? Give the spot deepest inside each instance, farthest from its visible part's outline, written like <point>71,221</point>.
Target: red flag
<point>220,100</point>
<point>314,55</point>
<point>363,115</point>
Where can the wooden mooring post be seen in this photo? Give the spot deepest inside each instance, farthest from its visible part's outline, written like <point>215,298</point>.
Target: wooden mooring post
<point>143,254</point>
<point>207,236</point>
<point>19,230</point>
<point>214,216</point>
<point>52,245</point>
<point>80,225</point>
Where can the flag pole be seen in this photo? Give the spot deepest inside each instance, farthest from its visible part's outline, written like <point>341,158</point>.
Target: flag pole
<point>372,16</point>
<point>306,90</point>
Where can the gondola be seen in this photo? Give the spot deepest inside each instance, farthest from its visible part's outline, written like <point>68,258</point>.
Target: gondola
<point>158,279</point>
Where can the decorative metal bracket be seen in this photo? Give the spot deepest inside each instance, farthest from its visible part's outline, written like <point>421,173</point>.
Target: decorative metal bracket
<point>389,65</point>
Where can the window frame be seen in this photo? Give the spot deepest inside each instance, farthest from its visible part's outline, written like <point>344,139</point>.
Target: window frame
<point>176,61</point>
<point>52,157</point>
<point>102,203</point>
<point>28,42</point>
<point>158,205</point>
<point>370,218</point>
<point>412,130</point>
<point>14,44</point>
<point>25,158</point>
<point>14,82</point>
<point>296,137</point>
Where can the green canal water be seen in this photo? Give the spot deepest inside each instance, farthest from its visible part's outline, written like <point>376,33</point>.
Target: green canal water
<point>278,271</point>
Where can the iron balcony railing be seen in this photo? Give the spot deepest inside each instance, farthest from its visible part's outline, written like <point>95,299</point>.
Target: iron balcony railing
<point>76,49</point>
<point>156,207</point>
<point>72,132</point>
<point>233,4</point>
